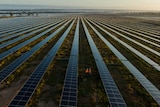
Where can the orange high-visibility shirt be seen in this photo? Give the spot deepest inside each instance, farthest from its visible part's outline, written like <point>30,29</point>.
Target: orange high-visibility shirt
<point>86,71</point>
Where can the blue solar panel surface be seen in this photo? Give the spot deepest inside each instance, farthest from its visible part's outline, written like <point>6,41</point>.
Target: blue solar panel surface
<point>144,32</point>
<point>21,37</point>
<point>23,96</point>
<point>145,58</point>
<point>152,90</point>
<point>11,25</point>
<point>15,29</point>
<point>129,32</point>
<point>4,73</point>
<point>130,39</point>
<point>10,51</point>
<point>69,93</point>
<point>24,31</point>
<point>114,96</point>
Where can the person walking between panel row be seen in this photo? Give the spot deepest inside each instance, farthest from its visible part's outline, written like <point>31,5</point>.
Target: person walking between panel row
<point>88,71</point>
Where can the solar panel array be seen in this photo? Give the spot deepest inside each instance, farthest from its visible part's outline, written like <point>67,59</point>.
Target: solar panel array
<point>15,48</point>
<point>13,24</point>
<point>31,32</point>
<point>24,31</point>
<point>114,96</point>
<point>145,58</point>
<point>4,73</point>
<point>142,33</point>
<point>152,90</point>
<point>25,26</point>
<point>132,40</point>
<point>25,93</point>
<point>6,28</point>
<point>142,30</point>
<point>131,34</point>
<point>134,32</point>
<point>16,32</point>
<point>69,93</point>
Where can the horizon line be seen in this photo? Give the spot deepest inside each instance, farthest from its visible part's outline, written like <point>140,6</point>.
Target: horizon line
<point>77,7</point>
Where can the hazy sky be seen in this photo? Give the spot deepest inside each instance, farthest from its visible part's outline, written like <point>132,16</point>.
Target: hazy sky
<point>117,4</point>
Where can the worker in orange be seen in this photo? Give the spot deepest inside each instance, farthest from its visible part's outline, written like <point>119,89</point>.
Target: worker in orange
<point>89,71</point>
<point>86,71</point>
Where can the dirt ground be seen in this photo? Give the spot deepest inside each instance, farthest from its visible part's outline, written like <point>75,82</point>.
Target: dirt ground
<point>48,104</point>
<point>7,93</point>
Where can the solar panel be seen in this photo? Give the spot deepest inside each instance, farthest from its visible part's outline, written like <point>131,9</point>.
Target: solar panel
<point>10,26</point>
<point>69,93</point>
<point>145,33</point>
<point>32,28</point>
<point>152,90</point>
<point>23,29</point>
<point>4,73</point>
<point>137,32</point>
<point>145,58</point>
<point>23,99</point>
<point>129,32</point>
<point>18,28</point>
<point>14,49</point>
<point>130,39</point>
<point>111,89</point>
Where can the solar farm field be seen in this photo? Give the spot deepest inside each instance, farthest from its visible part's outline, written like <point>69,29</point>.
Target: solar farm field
<point>79,61</point>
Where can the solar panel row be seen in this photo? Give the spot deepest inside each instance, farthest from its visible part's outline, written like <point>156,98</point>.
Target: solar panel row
<point>33,31</point>
<point>29,87</point>
<point>6,28</point>
<point>20,27</point>
<point>15,48</point>
<point>126,27</point>
<point>145,58</point>
<point>25,93</point>
<point>24,31</point>
<point>69,93</point>
<point>152,90</point>
<point>132,40</point>
<point>13,24</point>
<point>129,32</point>
<point>111,89</point>
<point>25,28</point>
<point>143,30</point>
<point>4,73</point>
